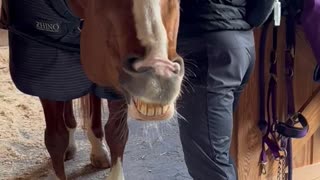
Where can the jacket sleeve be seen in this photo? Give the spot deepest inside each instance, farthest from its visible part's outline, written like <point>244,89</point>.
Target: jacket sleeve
<point>3,14</point>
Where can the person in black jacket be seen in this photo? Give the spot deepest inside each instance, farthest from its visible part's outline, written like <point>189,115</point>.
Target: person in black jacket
<point>219,51</point>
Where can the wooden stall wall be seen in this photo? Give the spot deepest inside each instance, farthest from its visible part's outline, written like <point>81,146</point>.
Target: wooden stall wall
<point>246,146</point>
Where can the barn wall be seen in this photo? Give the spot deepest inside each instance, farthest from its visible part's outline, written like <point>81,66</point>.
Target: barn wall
<point>246,145</point>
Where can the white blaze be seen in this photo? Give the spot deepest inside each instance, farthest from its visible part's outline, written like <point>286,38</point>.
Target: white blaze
<point>150,29</point>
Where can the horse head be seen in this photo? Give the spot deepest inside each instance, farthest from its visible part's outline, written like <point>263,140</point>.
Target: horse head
<point>130,46</point>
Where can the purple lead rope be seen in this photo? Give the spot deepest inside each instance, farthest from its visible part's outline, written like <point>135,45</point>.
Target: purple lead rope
<point>277,134</point>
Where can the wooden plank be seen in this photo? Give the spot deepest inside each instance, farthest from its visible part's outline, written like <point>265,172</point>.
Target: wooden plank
<point>303,157</point>
<point>312,114</point>
<point>315,147</point>
<point>310,172</point>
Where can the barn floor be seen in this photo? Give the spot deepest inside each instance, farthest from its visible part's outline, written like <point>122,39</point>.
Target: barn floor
<point>23,154</point>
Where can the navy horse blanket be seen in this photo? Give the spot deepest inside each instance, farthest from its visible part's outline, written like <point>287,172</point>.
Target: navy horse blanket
<point>44,42</point>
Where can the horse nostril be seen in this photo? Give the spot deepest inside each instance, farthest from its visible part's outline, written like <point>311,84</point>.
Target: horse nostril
<point>167,68</point>
<point>176,68</point>
<point>130,61</point>
<point>178,65</point>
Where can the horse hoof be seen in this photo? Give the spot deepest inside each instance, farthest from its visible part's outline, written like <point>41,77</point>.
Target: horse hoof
<point>101,161</point>
<point>70,153</point>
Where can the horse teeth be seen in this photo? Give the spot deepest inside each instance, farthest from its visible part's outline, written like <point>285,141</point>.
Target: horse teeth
<point>158,111</point>
<point>139,104</point>
<point>143,109</point>
<point>165,108</point>
<point>150,110</point>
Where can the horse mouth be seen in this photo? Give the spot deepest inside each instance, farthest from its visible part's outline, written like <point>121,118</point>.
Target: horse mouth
<point>143,111</point>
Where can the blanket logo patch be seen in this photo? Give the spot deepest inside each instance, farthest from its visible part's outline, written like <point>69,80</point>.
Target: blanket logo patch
<point>49,27</point>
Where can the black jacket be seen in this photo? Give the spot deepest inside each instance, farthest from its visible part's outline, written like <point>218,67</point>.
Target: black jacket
<point>199,16</point>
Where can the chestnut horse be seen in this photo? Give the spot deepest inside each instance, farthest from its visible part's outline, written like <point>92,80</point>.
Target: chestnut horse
<point>130,46</point>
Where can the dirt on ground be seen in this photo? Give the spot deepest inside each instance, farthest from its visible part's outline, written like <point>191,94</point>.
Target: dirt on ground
<point>153,151</point>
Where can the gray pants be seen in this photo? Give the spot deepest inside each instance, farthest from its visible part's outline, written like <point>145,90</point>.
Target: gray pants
<point>218,66</point>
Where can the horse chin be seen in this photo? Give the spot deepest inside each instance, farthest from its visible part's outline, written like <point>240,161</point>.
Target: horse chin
<point>143,111</point>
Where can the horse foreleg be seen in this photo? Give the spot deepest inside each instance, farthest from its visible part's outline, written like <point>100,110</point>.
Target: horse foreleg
<point>116,131</point>
<point>56,135</point>
<point>99,153</point>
